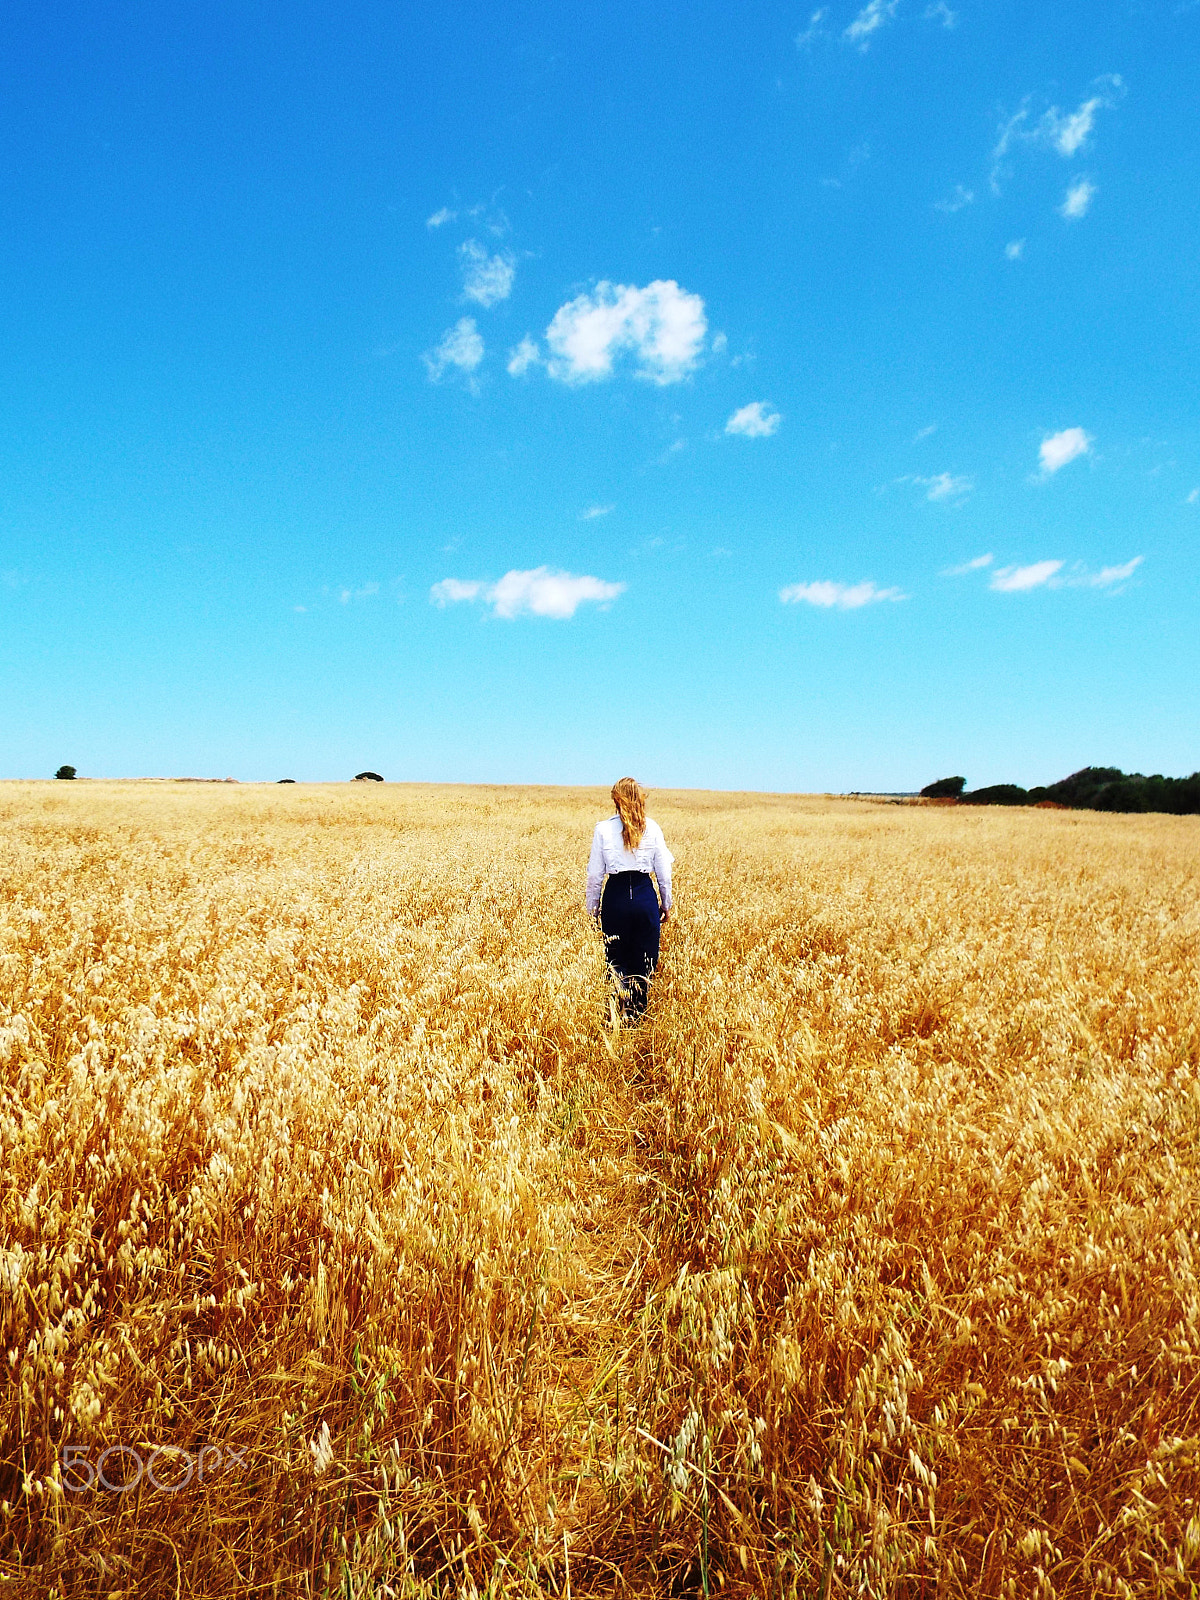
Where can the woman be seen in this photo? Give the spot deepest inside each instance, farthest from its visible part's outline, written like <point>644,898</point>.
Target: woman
<point>626,849</point>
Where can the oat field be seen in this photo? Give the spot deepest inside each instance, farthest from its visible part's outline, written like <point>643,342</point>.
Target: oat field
<point>346,1250</point>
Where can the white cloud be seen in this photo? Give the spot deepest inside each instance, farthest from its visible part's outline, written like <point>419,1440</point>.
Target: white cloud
<point>1108,576</point>
<point>524,356</point>
<point>946,487</point>
<point>1057,449</point>
<point>960,198</point>
<point>940,12</point>
<point>450,590</point>
<point>1069,134</point>
<point>1015,580</point>
<point>719,344</point>
<point>755,421</point>
<point>924,433</point>
<point>843,596</point>
<point>593,512</point>
<point>662,326</point>
<point>1194,497</point>
<point>814,29</point>
<point>461,346</point>
<point>365,593</point>
<point>540,592</point>
<point>440,218</point>
<point>1079,199</point>
<point>486,279</point>
<point>1066,133</point>
<point>1014,249</point>
<point>977,565</point>
<point>869,20</point>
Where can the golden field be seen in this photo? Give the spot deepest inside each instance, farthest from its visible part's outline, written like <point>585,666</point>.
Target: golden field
<point>342,1236</point>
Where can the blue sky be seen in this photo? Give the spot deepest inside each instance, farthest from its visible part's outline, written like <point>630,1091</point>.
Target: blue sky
<point>748,397</point>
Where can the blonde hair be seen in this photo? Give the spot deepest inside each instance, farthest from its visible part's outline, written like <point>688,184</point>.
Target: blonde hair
<point>630,800</point>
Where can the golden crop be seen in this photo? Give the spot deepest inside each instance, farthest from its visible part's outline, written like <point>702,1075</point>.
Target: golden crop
<point>868,1266</point>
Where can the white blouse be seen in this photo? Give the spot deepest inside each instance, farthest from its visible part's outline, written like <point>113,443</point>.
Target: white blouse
<point>609,855</point>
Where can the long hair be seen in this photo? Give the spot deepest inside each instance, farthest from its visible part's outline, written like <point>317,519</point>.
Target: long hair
<point>630,800</point>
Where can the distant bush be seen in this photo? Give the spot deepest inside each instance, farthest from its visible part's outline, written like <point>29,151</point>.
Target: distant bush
<point>998,794</point>
<point>65,772</point>
<point>368,777</point>
<point>944,789</point>
<point>287,780</point>
<point>1110,789</point>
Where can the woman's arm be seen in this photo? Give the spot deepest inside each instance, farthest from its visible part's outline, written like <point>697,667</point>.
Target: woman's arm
<point>663,861</point>
<point>595,875</point>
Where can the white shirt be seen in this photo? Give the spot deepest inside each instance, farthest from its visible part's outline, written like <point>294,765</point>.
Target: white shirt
<point>609,855</point>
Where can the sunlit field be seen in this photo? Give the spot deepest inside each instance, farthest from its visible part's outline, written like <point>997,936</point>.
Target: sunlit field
<point>347,1249</point>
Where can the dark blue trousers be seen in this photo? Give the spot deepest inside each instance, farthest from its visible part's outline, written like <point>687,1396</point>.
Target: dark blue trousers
<point>630,919</point>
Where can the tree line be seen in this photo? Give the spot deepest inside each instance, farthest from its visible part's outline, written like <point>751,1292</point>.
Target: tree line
<point>1089,789</point>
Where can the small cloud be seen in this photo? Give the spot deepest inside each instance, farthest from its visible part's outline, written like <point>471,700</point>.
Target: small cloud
<point>1107,577</point>
<point>869,20</point>
<point>924,433</point>
<point>460,346</point>
<point>755,421</point>
<point>940,12</point>
<point>486,279</point>
<point>451,590</point>
<point>440,218</point>
<point>814,30</point>
<point>1079,199</point>
<point>1193,498</point>
<point>593,512</point>
<point>1015,580</point>
<point>300,608</point>
<point>1064,133</point>
<point>977,565</point>
<point>960,198</point>
<point>662,326</point>
<point>1057,449</point>
<point>719,343</point>
<point>540,592</point>
<point>1069,134</point>
<point>524,356</point>
<point>946,487</point>
<point>1014,249</point>
<point>842,596</point>
<point>365,593</point>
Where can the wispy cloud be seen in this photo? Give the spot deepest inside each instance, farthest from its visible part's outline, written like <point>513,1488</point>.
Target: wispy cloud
<point>1110,577</point>
<point>941,486</point>
<point>960,198</point>
<point>1050,575</point>
<point>1058,449</point>
<point>593,512</point>
<point>439,219</point>
<point>925,433</point>
<point>1066,133</point>
<point>977,565</point>
<point>487,279</point>
<point>1193,498</point>
<point>460,347</point>
<point>524,356</point>
<point>1078,200</point>
<point>868,22</point>
<point>661,326</point>
<point>1015,580</point>
<point>940,12</point>
<point>755,421</point>
<point>365,593</point>
<point>837,596</point>
<point>539,592</point>
<point>1014,249</point>
<point>814,30</point>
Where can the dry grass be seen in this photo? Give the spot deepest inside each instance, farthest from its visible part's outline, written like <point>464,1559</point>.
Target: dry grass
<point>868,1266</point>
